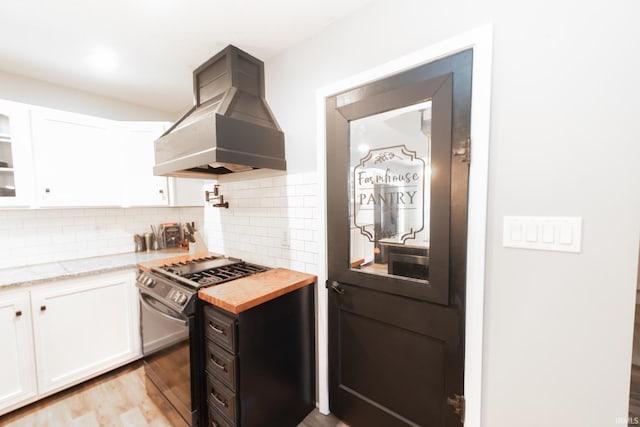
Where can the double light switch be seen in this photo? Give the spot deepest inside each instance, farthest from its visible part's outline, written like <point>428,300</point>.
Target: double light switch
<point>548,233</point>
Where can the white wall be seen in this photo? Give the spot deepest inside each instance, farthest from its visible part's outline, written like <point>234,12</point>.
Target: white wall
<point>37,92</point>
<point>565,129</point>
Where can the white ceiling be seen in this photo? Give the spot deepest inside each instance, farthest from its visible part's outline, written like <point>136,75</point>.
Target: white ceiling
<point>154,44</point>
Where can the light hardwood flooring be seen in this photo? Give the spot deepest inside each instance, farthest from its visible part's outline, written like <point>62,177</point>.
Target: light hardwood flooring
<point>634,395</point>
<point>116,399</point>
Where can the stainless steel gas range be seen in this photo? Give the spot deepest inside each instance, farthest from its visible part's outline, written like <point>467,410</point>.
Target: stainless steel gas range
<point>170,329</point>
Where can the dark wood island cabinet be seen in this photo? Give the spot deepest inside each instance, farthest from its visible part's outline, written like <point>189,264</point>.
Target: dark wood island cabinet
<point>259,350</point>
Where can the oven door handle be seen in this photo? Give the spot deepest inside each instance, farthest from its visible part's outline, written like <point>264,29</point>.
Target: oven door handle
<point>143,300</point>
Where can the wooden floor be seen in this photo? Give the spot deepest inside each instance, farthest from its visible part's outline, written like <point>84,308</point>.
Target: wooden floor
<point>115,399</point>
<point>634,395</point>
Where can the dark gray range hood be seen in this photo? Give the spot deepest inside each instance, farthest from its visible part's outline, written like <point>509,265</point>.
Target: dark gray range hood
<point>230,128</point>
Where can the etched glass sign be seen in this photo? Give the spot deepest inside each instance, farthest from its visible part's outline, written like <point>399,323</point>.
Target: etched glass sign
<point>389,191</point>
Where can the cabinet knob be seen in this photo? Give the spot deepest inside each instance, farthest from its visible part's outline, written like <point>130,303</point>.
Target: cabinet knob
<point>161,191</point>
<point>43,307</point>
<point>47,190</point>
<point>18,313</point>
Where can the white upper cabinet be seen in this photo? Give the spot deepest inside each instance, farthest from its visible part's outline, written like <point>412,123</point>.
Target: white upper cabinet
<point>78,159</point>
<point>188,191</point>
<point>16,185</point>
<point>139,186</point>
<point>53,158</point>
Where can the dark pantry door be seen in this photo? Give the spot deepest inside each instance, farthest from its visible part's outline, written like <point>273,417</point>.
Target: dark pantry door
<point>397,185</point>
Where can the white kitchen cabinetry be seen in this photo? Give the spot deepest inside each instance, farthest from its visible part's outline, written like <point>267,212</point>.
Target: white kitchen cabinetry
<point>78,159</point>
<point>83,327</point>
<point>16,186</point>
<point>188,191</point>
<point>54,158</point>
<point>17,362</point>
<point>140,187</point>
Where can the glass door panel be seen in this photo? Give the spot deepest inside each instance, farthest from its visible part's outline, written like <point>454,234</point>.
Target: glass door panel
<point>7,180</point>
<point>389,192</point>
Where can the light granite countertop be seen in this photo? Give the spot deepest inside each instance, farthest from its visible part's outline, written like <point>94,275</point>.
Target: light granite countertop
<point>38,273</point>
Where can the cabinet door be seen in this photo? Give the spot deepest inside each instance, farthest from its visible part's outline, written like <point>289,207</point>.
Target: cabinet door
<point>84,327</point>
<point>188,191</point>
<point>78,159</point>
<point>17,363</point>
<point>16,184</point>
<point>140,187</point>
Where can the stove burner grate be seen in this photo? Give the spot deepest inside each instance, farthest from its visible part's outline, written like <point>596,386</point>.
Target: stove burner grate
<point>224,274</point>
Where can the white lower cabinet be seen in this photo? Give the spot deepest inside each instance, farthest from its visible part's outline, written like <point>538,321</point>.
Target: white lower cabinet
<point>17,361</point>
<point>81,327</point>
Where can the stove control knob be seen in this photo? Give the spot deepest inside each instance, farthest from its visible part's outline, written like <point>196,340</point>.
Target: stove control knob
<point>150,282</point>
<point>178,297</point>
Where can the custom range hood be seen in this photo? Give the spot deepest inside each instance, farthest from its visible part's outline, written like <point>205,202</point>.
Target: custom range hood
<point>229,129</point>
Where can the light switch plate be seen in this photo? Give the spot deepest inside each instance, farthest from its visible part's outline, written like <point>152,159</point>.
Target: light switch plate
<point>546,233</point>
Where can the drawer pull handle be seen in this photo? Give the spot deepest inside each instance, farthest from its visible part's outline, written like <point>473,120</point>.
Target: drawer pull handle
<point>216,328</point>
<point>217,363</point>
<point>219,400</point>
<point>18,313</point>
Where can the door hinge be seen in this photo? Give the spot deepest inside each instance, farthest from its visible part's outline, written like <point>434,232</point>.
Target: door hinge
<point>457,402</point>
<point>464,151</point>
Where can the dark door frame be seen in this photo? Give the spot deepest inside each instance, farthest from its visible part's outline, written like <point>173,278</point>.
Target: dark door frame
<point>480,40</point>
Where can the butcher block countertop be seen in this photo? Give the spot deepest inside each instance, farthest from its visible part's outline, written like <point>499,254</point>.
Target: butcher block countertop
<point>242,294</point>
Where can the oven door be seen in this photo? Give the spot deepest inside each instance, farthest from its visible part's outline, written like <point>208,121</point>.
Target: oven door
<point>167,356</point>
<point>161,326</point>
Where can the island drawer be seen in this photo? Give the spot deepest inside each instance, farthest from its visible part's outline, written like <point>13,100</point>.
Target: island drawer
<point>221,398</point>
<point>220,329</point>
<point>216,419</point>
<point>221,364</point>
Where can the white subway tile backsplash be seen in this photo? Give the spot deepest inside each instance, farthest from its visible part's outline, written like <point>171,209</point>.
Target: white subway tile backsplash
<point>310,201</point>
<point>33,236</point>
<point>295,179</point>
<point>303,213</point>
<point>306,190</point>
<point>271,221</point>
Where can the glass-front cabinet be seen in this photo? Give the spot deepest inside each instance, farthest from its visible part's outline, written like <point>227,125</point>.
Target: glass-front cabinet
<point>15,185</point>
<point>7,182</point>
